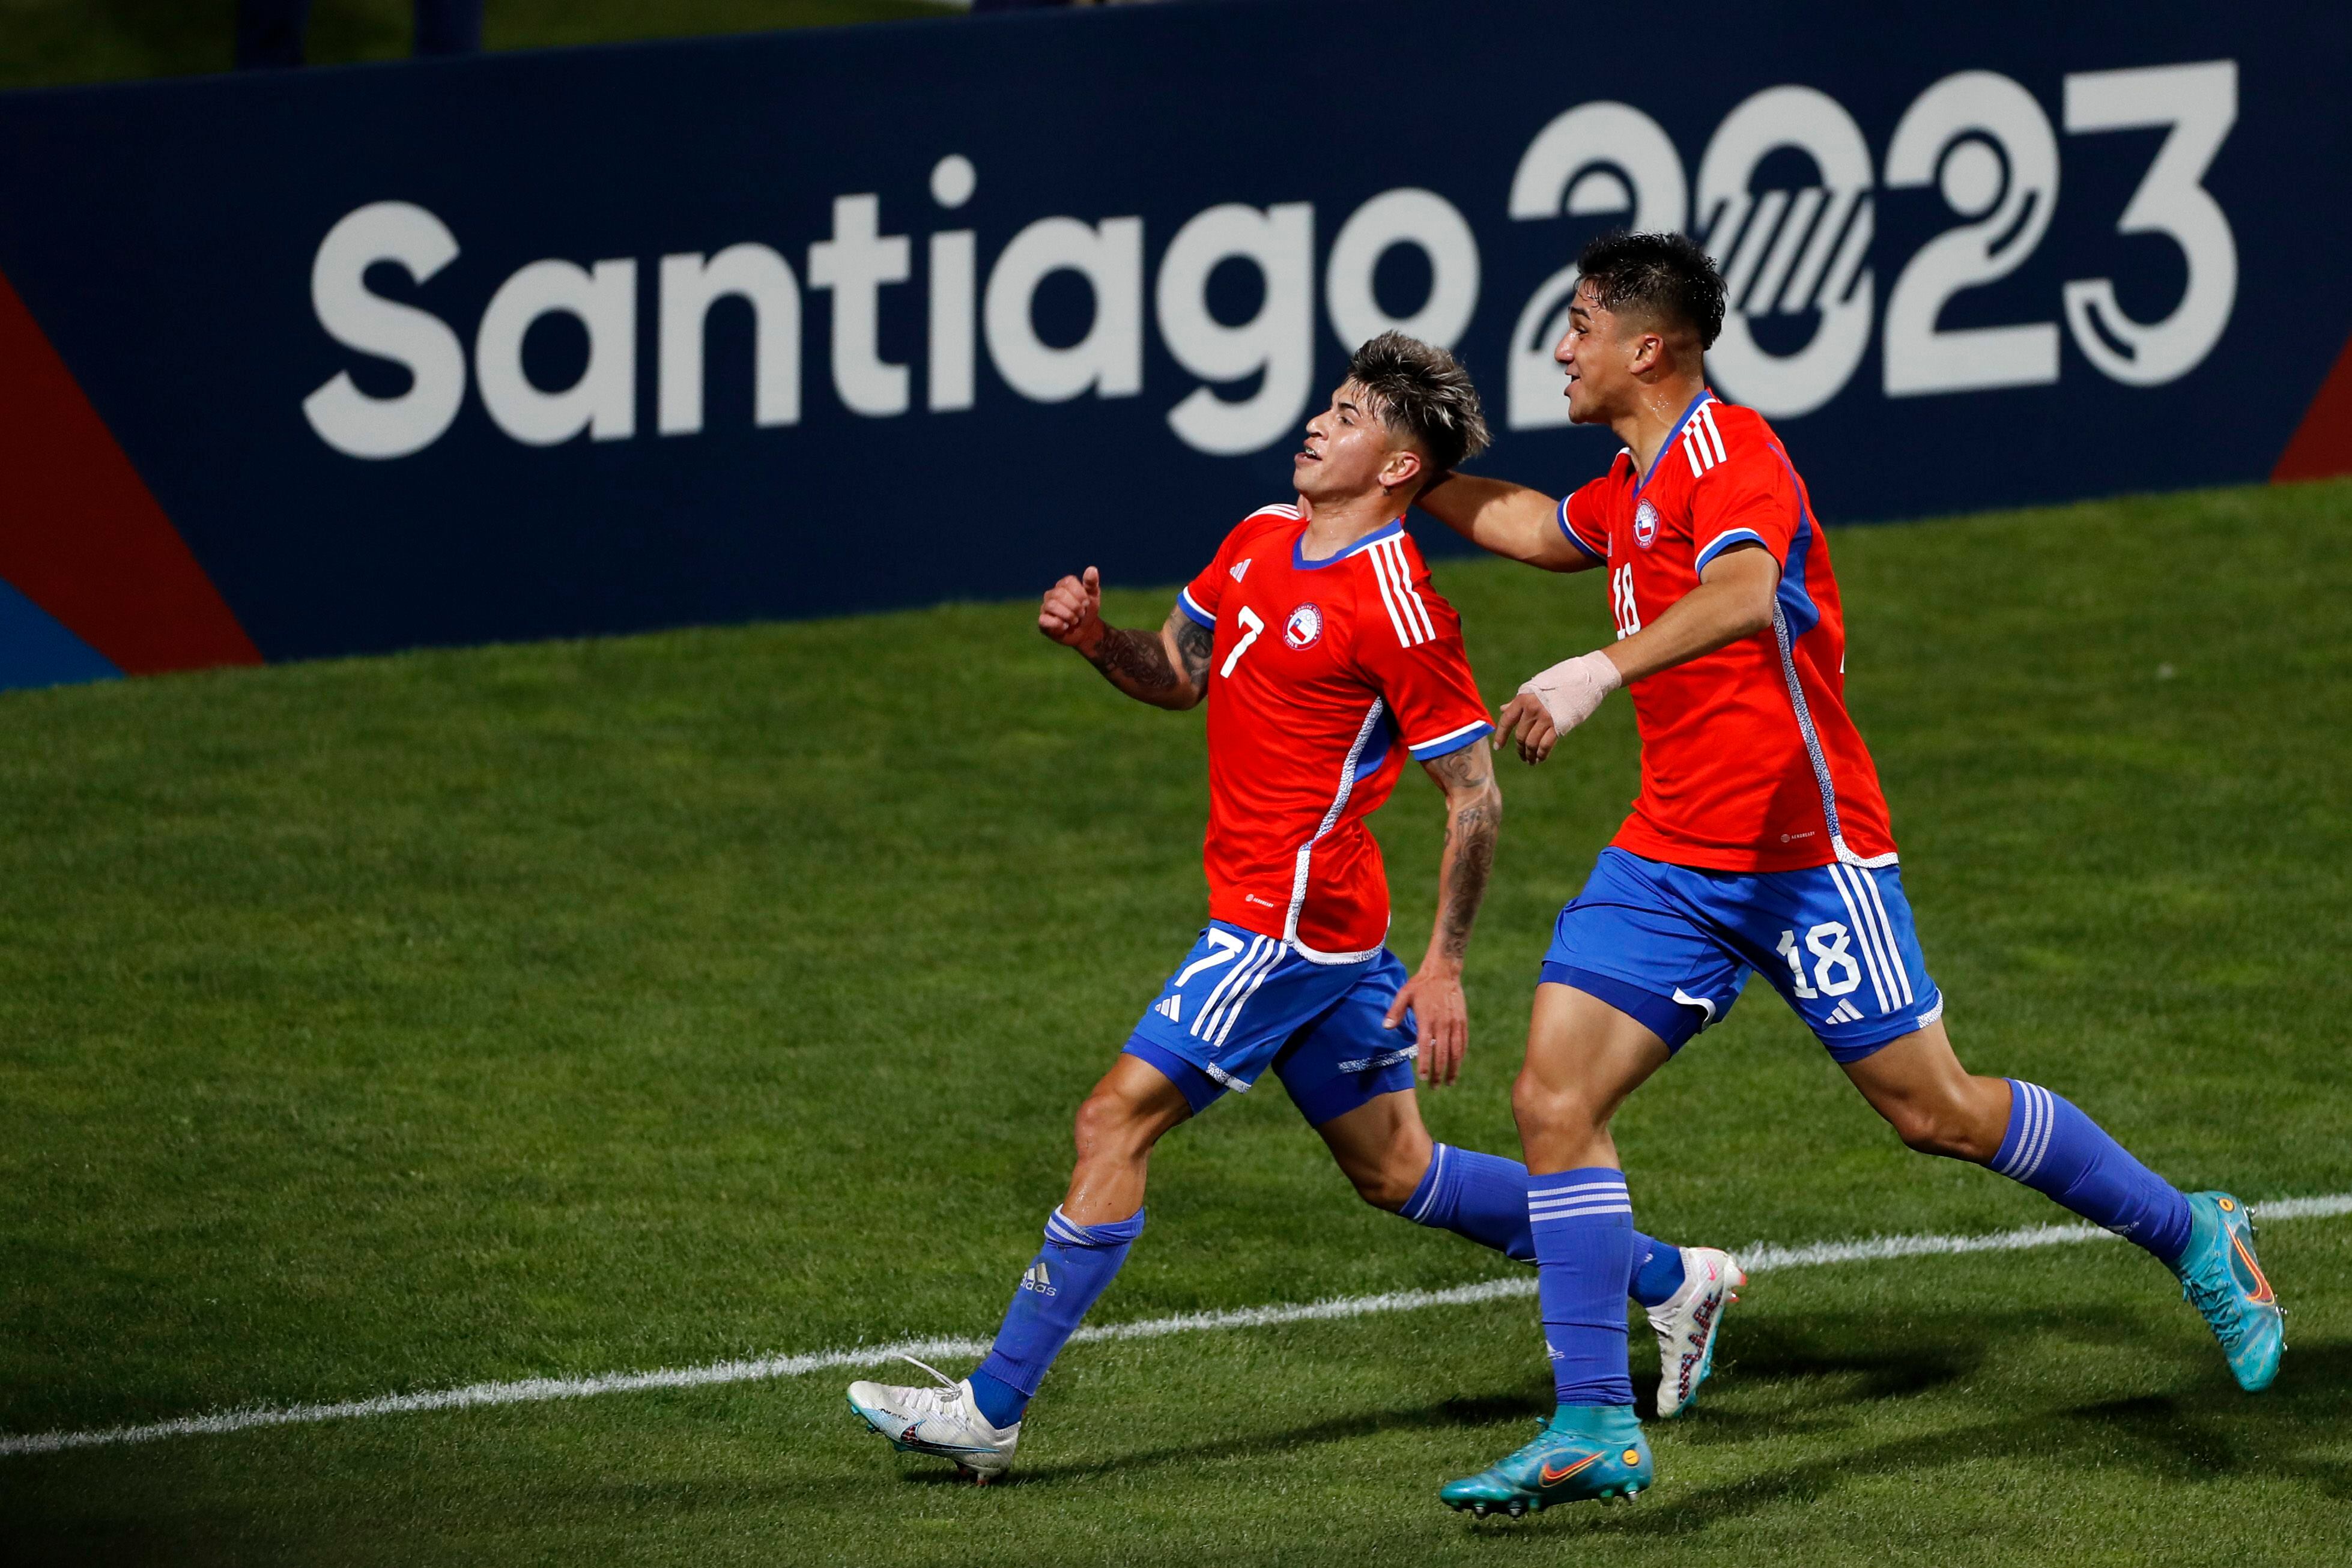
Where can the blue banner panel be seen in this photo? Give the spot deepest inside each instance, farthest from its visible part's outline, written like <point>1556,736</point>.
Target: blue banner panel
<point>604,340</point>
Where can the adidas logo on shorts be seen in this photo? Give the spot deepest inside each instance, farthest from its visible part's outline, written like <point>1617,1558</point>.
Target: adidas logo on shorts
<point>1172,1010</point>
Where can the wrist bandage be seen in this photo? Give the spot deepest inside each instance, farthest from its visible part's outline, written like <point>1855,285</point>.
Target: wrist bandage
<point>1571,689</point>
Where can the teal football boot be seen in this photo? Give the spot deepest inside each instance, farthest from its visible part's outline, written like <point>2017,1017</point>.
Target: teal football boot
<point>1593,1451</point>
<point>2220,1278</point>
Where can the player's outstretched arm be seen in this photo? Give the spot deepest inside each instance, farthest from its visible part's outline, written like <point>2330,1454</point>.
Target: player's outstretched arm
<point>1473,819</point>
<point>1733,600</point>
<point>1507,519</point>
<point>1168,669</point>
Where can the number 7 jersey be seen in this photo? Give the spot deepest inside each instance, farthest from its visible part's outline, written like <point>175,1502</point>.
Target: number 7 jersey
<point>1324,676</point>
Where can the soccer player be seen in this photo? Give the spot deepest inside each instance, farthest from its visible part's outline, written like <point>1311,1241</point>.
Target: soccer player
<point>1760,841</point>
<point>1326,658</point>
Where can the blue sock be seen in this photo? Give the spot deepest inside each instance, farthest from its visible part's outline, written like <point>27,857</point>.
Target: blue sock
<point>1484,1198</point>
<point>1063,1281</point>
<point>1583,1224</point>
<point>1658,1272</point>
<point>2064,1156</point>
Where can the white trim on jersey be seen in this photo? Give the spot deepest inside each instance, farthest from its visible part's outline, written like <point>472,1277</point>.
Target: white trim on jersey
<point>1424,750</point>
<point>1578,540</point>
<point>1306,850</point>
<point>1707,418</point>
<point>1702,441</point>
<point>1845,854</point>
<point>1724,541</point>
<point>1393,572</point>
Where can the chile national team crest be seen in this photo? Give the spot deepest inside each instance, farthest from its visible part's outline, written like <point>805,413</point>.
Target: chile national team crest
<point>1646,526</point>
<point>1305,628</point>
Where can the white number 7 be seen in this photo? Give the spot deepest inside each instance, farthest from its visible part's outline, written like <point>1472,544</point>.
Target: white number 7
<point>1248,618</point>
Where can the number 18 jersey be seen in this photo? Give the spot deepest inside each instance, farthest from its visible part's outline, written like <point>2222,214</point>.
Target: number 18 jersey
<point>1324,676</point>
<point>1749,760</point>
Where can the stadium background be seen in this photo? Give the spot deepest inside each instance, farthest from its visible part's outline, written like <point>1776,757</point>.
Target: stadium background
<point>323,362</point>
<point>393,1023</point>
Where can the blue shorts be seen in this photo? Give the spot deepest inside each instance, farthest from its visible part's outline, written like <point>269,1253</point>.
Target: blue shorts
<point>1670,946</point>
<point>1241,1003</point>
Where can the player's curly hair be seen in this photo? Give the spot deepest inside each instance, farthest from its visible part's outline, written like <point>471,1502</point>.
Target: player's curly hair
<point>1419,390</point>
<point>1666,275</point>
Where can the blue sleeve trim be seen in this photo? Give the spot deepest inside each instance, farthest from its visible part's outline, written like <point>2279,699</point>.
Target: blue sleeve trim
<point>1724,541</point>
<point>1446,744</point>
<point>1199,616</point>
<point>1573,537</point>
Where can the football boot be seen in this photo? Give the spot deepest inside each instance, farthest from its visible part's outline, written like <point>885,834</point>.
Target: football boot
<point>942,1421</point>
<point>1585,1451</point>
<point>2220,1278</point>
<point>1687,1323</point>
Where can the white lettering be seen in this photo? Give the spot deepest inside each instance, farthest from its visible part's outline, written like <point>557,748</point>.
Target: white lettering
<point>1279,340</point>
<point>346,418</point>
<point>603,402</point>
<point>947,382</point>
<point>1832,224</point>
<point>1597,158</point>
<point>2200,104</point>
<point>1983,142</point>
<point>1110,358</point>
<point>1405,216</point>
<point>855,264</point>
<point>689,287</point>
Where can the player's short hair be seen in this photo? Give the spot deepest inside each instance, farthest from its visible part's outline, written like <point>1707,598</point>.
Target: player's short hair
<point>1664,276</point>
<point>1419,390</point>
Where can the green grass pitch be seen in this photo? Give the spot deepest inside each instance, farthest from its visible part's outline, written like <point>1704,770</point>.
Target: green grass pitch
<point>400,1023</point>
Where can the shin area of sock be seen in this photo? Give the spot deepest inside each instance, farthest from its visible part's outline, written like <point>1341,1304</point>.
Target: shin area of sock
<point>1070,1272</point>
<point>1582,1222</point>
<point>2054,1148</point>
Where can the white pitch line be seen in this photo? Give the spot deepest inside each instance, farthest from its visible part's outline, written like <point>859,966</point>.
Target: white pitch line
<point>1756,1258</point>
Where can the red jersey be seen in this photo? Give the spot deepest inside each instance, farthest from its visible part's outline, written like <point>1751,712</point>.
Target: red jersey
<point>1750,762</point>
<point>1324,676</point>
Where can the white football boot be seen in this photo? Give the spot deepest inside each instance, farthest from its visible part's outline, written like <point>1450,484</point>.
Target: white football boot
<point>1688,1321</point>
<point>942,1421</point>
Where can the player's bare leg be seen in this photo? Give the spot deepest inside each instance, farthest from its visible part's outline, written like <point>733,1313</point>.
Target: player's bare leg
<point>1584,1057</point>
<point>1128,1112</point>
<point>1382,1148</point>
<point>2028,1133</point>
<point>1935,1105</point>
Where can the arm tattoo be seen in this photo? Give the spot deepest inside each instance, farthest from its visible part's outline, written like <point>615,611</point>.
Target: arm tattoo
<point>1133,661</point>
<point>1470,835</point>
<point>1195,642</point>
